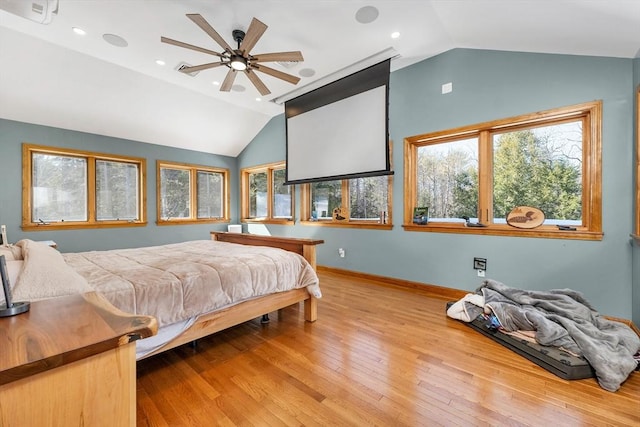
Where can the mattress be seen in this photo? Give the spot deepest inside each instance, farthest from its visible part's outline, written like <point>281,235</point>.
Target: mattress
<point>553,359</point>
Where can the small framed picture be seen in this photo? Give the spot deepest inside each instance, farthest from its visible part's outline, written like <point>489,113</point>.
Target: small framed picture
<point>421,215</point>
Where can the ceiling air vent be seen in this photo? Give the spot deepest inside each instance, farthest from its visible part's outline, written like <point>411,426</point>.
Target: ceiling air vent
<point>40,11</point>
<point>183,65</point>
<point>288,64</point>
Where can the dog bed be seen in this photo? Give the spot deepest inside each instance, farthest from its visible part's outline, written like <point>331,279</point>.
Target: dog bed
<point>553,359</point>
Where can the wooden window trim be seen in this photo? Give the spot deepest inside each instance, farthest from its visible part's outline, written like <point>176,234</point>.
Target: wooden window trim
<point>269,169</point>
<point>28,223</point>
<point>592,174</point>
<point>305,211</point>
<point>193,193</point>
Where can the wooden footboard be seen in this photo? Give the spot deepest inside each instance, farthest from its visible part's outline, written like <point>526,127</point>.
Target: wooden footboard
<point>217,321</point>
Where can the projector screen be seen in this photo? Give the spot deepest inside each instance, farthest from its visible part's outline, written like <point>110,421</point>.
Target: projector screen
<point>340,130</point>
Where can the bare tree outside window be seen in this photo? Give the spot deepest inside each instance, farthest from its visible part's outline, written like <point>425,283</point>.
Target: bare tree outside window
<point>175,187</point>
<point>191,193</point>
<point>258,195</point>
<point>117,190</point>
<point>265,197</point>
<point>447,179</point>
<point>210,194</point>
<point>368,198</point>
<point>59,188</point>
<point>281,195</point>
<point>325,197</point>
<point>74,189</point>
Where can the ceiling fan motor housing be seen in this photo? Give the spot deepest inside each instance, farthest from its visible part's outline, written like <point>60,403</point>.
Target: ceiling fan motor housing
<point>238,36</point>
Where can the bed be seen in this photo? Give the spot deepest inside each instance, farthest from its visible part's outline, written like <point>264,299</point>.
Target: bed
<point>193,289</point>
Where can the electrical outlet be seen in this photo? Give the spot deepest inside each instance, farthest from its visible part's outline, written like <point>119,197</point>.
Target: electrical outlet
<point>479,263</point>
<point>341,252</point>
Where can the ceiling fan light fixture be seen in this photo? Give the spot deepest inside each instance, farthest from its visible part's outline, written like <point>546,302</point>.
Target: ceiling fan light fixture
<point>238,63</point>
<point>239,59</point>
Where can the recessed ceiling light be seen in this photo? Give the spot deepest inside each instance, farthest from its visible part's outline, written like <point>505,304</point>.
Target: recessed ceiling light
<point>367,14</point>
<point>115,40</point>
<point>216,83</point>
<point>395,35</point>
<point>307,72</point>
<point>79,31</point>
<point>258,99</point>
<point>160,62</point>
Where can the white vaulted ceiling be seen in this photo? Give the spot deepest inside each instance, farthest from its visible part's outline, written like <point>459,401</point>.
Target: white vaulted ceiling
<point>51,76</point>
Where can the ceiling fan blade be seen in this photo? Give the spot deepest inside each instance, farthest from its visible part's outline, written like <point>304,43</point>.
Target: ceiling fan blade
<point>278,56</point>
<point>201,67</point>
<point>228,81</point>
<point>255,31</point>
<point>275,73</point>
<point>257,82</point>
<point>204,25</point>
<point>189,46</point>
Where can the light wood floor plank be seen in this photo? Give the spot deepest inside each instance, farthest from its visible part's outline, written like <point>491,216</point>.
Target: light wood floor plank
<point>378,355</point>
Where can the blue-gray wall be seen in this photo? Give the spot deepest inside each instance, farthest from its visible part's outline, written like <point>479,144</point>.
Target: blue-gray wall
<point>636,247</point>
<point>490,85</point>
<point>13,134</point>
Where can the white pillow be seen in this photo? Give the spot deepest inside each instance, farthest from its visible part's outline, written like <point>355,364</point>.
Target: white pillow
<point>14,268</point>
<point>45,274</point>
<point>11,252</point>
<point>13,271</point>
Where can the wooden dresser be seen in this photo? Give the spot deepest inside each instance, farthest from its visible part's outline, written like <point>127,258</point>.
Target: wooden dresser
<point>70,361</point>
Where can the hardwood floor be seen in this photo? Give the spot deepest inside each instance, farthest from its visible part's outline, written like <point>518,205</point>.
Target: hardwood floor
<point>378,355</point>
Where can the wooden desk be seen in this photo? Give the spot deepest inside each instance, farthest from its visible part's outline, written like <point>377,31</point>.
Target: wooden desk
<point>70,361</point>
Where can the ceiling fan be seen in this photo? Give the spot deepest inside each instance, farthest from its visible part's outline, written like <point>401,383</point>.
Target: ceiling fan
<point>240,59</point>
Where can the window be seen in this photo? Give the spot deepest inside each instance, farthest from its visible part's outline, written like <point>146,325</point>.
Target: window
<point>189,194</point>
<point>362,202</point>
<point>76,189</point>
<point>265,197</point>
<point>549,160</point>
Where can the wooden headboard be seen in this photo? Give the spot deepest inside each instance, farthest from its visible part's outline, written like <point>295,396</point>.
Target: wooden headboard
<point>304,247</point>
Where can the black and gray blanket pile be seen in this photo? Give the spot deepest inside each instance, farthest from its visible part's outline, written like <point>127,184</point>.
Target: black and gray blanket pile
<point>561,318</point>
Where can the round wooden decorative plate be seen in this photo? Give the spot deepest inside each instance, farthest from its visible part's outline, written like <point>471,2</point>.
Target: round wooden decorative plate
<point>525,217</point>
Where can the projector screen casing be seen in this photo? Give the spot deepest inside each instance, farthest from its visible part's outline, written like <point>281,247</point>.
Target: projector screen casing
<point>340,130</point>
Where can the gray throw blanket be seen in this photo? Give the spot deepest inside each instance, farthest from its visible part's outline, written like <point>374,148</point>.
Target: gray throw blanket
<point>563,318</point>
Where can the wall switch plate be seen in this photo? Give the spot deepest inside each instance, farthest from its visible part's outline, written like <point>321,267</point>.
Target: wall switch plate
<point>480,273</point>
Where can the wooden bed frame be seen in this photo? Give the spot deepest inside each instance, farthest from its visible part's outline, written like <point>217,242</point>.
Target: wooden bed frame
<point>216,321</point>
